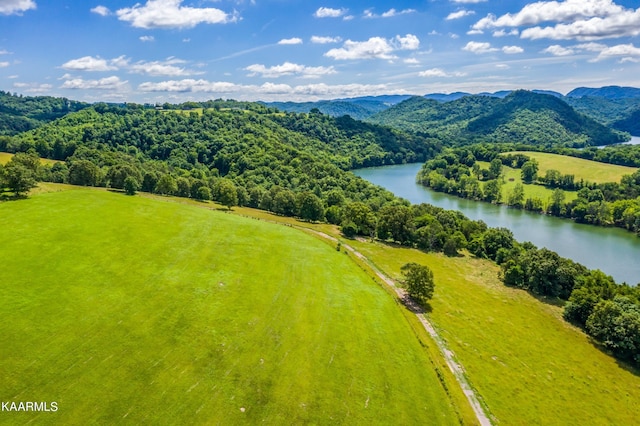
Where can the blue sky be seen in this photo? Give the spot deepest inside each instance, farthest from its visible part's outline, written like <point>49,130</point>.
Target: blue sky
<point>178,50</point>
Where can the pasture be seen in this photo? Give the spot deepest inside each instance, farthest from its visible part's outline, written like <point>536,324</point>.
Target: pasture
<point>130,309</point>
<point>526,362</point>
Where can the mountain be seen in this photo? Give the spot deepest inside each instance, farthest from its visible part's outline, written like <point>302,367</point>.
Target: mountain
<point>358,108</point>
<point>442,97</point>
<point>521,116</point>
<point>610,112</point>
<point>609,92</point>
<point>21,113</point>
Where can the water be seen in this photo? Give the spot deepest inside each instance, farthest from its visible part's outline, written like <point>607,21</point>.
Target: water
<point>614,251</point>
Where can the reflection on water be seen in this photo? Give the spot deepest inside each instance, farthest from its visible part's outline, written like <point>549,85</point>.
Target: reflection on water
<point>612,250</point>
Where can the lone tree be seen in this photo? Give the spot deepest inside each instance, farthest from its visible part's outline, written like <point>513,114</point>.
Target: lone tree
<point>418,280</point>
<point>17,178</point>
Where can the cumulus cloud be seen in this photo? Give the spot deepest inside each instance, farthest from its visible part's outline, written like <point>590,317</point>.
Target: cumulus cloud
<point>107,83</point>
<point>626,51</point>
<point>459,14</point>
<point>33,87</point>
<point>89,63</point>
<point>167,14</point>
<point>374,48</point>
<point>411,61</point>
<point>168,68</point>
<point>511,50</point>
<point>478,47</point>
<point>4,64</point>
<point>288,68</point>
<point>388,14</point>
<point>101,10</point>
<point>557,50</point>
<point>325,40</point>
<point>16,7</point>
<point>574,19</point>
<point>319,90</point>
<point>438,72</point>
<point>504,33</point>
<point>327,12</point>
<point>294,40</point>
<point>147,38</point>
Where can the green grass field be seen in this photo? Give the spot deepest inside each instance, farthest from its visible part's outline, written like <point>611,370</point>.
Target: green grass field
<point>588,170</point>
<point>138,310</point>
<point>528,364</point>
<point>5,157</point>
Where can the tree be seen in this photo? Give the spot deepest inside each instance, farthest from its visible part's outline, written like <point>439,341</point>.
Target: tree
<point>529,171</point>
<point>18,178</point>
<point>495,168</point>
<point>84,172</point>
<point>418,280</point>
<point>516,196</point>
<point>310,206</point>
<point>226,193</point>
<point>131,185</point>
<point>166,185</point>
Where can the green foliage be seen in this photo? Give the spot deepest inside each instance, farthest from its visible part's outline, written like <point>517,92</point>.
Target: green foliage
<point>85,173</point>
<point>131,185</point>
<point>521,117</point>
<point>225,193</point>
<point>419,282</point>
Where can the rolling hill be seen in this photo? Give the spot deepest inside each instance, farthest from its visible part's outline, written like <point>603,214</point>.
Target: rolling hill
<point>521,117</point>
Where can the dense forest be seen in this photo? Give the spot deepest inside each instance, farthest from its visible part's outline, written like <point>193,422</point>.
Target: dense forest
<point>520,117</point>
<point>297,165</point>
<point>21,113</point>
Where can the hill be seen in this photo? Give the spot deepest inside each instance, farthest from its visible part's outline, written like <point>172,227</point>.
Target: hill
<point>22,113</point>
<point>156,311</point>
<point>357,108</point>
<point>608,92</point>
<point>520,117</point>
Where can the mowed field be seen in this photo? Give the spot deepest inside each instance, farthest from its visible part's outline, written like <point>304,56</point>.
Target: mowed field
<point>129,309</point>
<point>592,171</point>
<point>529,366</point>
<point>5,157</point>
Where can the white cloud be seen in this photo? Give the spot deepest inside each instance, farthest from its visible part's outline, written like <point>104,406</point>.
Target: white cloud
<point>325,40</point>
<point>411,61</point>
<point>107,83</point>
<point>503,66</point>
<point>4,52</point>
<point>16,7</point>
<point>4,64</point>
<point>388,14</point>
<point>504,33</point>
<point>621,50</point>
<point>478,47</point>
<point>374,48</point>
<point>408,42</point>
<point>632,60</point>
<point>294,40</point>
<point>167,14</point>
<point>89,63</point>
<point>511,50</point>
<point>438,72</point>
<point>459,14</point>
<point>557,50</point>
<point>288,68</point>
<point>575,19</point>
<point>475,32</point>
<point>147,38</point>
<point>167,68</point>
<point>327,12</point>
<point>33,87</point>
<point>591,47</point>
<point>319,90</point>
<point>101,10</point>
<point>468,1</point>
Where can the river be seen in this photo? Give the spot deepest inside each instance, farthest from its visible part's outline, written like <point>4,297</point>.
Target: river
<point>614,251</point>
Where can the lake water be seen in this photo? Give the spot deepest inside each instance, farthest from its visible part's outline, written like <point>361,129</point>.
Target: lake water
<point>614,251</point>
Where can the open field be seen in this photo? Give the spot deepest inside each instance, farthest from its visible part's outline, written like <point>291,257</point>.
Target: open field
<point>588,170</point>
<point>529,366</point>
<point>5,157</point>
<point>512,178</point>
<point>133,309</point>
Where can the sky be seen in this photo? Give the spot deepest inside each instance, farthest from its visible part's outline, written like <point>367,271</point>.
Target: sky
<point>156,51</point>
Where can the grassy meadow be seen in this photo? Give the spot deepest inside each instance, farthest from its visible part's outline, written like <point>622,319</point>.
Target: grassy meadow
<point>592,171</point>
<point>526,362</point>
<point>130,309</point>
<point>5,157</point>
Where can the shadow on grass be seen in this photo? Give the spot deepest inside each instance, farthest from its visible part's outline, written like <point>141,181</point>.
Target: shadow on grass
<point>10,196</point>
<point>623,364</point>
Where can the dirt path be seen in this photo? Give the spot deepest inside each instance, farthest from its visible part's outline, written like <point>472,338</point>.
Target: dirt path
<point>448,355</point>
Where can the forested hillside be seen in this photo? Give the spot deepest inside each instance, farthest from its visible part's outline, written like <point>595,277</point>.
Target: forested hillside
<point>21,113</point>
<point>521,117</point>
